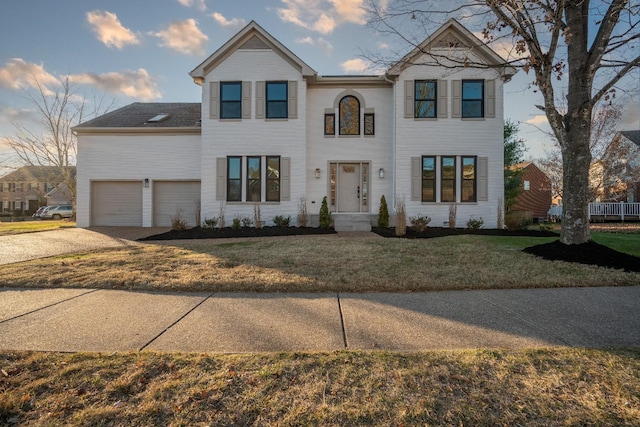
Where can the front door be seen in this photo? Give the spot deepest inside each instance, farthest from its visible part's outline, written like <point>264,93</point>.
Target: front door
<point>349,191</point>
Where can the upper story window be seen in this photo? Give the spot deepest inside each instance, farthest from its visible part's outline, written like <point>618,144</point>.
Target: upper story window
<point>425,99</point>
<point>349,114</point>
<point>231,100</point>
<point>473,98</point>
<point>277,100</point>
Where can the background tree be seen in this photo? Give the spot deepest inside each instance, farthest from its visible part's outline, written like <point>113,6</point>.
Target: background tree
<point>551,39</point>
<point>514,150</point>
<point>58,108</point>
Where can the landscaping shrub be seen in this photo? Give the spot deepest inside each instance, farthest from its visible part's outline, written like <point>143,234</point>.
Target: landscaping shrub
<point>210,223</point>
<point>419,223</point>
<point>518,220</point>
<point>303,216</point>
<point>281,221</point>
<point>178,222</point>
<point>235,223</point>
<point>453,212</point>
<point>325,215</point>
<point>383,213</point>
<point>475,224</point>
<point>401,218</point>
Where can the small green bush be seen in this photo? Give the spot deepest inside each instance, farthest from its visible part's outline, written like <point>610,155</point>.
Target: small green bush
<point>235,223</point>
<point>325,215</point>
<point>246,221</point>
<point>383,213</point>
<point>475,224</point>
<point>281,221</point>
<point>517,220</point>
<point>210,223</point>
<point>419,223</point>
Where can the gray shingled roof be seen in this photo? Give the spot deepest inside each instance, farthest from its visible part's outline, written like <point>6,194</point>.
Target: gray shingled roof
<point>632,135</point>
<point>136,115</point>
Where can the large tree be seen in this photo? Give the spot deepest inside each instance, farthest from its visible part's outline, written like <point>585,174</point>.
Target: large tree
<point>514,150</point>
<point>580,47</point>
<point>50,142</point>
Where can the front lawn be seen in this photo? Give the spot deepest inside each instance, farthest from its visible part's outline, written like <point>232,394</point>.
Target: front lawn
<point>324,263</point>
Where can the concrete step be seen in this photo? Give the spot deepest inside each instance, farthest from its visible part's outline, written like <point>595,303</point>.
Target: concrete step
<point>351,222</point>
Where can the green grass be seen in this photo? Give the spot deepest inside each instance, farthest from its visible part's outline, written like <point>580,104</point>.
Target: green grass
<point>627,243</point>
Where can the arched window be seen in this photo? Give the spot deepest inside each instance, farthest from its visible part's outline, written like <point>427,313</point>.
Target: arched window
<point>349,116</point>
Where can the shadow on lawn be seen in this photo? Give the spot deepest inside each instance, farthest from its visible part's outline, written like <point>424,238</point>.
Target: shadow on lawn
<point>590,253</point>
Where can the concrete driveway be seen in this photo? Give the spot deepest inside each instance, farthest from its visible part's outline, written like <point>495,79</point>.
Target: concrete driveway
<point>27,246</point>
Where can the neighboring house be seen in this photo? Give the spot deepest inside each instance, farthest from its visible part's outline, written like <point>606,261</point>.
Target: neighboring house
<point>271,131</point>
<point>535,195</point>
<point>616,176</point>
<point>26,189</point>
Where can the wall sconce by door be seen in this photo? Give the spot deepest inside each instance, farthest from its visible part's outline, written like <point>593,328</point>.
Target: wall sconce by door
<point>381,172</point>
<point>317,172</point>
<point>146,182</point>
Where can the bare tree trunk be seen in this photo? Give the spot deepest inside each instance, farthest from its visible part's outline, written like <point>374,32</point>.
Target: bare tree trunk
<point>576,159</point>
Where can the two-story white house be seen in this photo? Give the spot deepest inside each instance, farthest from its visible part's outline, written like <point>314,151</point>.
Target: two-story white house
<point>271,132</point>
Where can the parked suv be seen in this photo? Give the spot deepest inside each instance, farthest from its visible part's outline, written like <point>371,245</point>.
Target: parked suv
<point>58,212</point>
<point>38,214</point>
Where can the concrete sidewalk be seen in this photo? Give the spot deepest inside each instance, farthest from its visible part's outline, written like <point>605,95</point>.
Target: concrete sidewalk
<point>110,320</point>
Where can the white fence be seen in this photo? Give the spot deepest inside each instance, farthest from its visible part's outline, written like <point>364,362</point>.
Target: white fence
<point>619,211</point>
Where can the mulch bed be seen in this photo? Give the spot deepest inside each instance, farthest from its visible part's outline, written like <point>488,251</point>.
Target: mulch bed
<point>590,253</point>
<point>228,232</point>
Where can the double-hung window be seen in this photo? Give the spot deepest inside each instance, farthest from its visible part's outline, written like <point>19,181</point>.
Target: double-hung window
<point>231,100</point>
<point>277,100</point>
<point>469,175</point>
<point>425,99</point>
<point>428,179</point>
<point>234,179</point>
<point>448,179</point>
<point>473,98</point>
<point>254,186</point>
<point>253,178</point>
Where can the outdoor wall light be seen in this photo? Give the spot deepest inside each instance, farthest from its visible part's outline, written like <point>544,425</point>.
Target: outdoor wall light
<point>146,182</point>
<point>381,173</point>
<point>317,172</point>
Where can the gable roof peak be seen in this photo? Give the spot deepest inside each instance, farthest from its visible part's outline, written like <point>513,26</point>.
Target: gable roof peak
<point>453,35</point>
<point>252,36</point>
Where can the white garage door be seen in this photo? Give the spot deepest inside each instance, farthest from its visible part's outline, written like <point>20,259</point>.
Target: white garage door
<point>116,203</point>
<point>176,198</point>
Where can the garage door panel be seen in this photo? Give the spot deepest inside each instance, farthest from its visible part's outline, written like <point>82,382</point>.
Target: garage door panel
<point>116,203</point>
<point>171,198</point>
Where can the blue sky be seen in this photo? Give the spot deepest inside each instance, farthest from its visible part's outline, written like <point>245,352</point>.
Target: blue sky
<point>142,50</point>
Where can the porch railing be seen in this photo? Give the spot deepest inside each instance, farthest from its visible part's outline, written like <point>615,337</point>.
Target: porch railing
<point>619,210</point>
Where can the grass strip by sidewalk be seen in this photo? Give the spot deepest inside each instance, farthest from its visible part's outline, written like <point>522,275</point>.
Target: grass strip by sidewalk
<point>564,386</point>
<point>21,227</point>
<point>314,264</point>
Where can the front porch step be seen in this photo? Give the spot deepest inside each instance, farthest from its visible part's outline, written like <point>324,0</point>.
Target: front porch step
<point>351,222</point>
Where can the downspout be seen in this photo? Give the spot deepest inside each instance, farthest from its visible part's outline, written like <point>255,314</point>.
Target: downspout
<point>393,140</point>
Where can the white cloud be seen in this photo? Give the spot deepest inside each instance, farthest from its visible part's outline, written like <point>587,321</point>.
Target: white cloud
<point>19,74</point>
<point>538,120</point>
<point>199,4</point>
<point>184,37</point>
<point>12,115</point>
<point>110,31</point>
<point>349,10</point>
<point>355,65</point>
<point>235,22</point>
<point>132,83</point>
<point>321,15</point>
<point>321,43</point>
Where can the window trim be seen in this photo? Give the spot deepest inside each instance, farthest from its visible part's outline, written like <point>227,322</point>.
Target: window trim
<point>223,101</point>
<point>358,131</point>
<point>422,179</point>
<point>269,180</point>
<point>284,101</point>
<point>443,179</point>
<point>373,124</point>
<point>229,179</point>
<point>464,99</point>
<point>474,180</point>
<point>433,100</point>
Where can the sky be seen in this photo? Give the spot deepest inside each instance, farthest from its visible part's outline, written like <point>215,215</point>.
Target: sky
<point>143,50</point>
